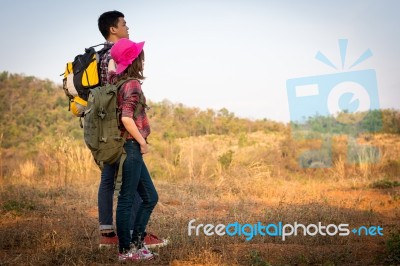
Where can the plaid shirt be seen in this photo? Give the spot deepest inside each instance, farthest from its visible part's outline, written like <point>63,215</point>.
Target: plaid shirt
<point>104,60</point>
<point>128,99</point>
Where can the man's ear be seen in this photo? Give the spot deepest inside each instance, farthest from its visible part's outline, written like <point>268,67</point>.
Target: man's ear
<point>113,30</point>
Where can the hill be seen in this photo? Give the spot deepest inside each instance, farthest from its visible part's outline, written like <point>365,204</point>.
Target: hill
<point>32,110</point>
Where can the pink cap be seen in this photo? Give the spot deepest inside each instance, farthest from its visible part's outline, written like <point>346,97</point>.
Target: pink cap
<point>124,52</point>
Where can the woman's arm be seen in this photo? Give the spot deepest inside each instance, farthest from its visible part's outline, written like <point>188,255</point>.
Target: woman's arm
<point>131,127</point>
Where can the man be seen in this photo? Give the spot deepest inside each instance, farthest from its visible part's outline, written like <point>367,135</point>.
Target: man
<point>113,27</point>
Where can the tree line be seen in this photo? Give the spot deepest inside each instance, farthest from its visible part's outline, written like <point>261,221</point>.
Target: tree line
<point>32,109</point>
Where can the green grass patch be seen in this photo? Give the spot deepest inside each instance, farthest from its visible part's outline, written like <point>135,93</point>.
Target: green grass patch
<point>18,206</point>
<point>393,249</point>
<point>257,260</point>
<point>385,183</point>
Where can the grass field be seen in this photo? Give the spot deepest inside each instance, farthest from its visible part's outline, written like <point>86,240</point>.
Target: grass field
<point>48,204</point>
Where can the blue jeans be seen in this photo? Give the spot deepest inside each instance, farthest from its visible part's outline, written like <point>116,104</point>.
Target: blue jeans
<point>135,178</point>
<point>105,198</point>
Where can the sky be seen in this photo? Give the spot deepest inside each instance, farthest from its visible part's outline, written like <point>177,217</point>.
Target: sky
<point>232,54</point>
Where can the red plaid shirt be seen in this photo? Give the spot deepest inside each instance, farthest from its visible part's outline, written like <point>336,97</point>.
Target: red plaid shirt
<point>128,99</point>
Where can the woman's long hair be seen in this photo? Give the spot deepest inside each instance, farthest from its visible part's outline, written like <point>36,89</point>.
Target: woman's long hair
<point>134,70</point>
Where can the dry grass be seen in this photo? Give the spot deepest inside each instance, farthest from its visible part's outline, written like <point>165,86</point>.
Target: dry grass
<point>49,204</point>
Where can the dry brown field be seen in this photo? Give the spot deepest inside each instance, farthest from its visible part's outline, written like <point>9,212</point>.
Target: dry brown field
<point>48,205</point>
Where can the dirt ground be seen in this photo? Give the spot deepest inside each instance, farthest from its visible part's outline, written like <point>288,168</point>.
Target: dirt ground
<point>58,226</point>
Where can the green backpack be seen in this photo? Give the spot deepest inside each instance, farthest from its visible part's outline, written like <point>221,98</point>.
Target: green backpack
<point>101,123</point>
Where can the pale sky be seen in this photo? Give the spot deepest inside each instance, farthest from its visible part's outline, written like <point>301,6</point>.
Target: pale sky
<point>236,54</point>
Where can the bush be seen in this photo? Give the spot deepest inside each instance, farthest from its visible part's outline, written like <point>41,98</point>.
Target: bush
<point>225,159</point>
<point>384,183</point>
<point>393,249</point>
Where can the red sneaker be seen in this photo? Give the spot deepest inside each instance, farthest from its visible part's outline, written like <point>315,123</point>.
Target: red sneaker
<point>108,241</point>
<point>152,241</point>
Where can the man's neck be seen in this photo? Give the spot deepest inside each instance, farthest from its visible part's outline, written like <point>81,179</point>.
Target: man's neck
<point>113,39</point>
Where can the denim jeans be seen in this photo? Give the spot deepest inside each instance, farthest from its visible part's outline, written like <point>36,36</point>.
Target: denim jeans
<point>135,178</point>
<point>105,198</point>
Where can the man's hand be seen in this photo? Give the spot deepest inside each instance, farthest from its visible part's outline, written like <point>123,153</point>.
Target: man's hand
<point>111,65</point>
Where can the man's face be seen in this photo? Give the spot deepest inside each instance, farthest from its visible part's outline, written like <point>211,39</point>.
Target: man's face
<point>121,31</point>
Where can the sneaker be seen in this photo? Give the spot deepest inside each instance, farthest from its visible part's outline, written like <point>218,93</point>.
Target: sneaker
<point>108,241</point>
<point>136,255</point>
<point>152,241</point>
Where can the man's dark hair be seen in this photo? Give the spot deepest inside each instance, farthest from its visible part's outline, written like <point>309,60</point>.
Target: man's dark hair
<point>108,19</point>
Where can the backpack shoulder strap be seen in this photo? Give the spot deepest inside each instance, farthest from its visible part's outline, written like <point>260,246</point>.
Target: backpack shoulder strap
<point>141,105</point>
<point>121,82</point>
<point>104,50</point>
<point>104,44</point>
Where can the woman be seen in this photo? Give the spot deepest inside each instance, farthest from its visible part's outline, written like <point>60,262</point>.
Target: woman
<point>129,58</point>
